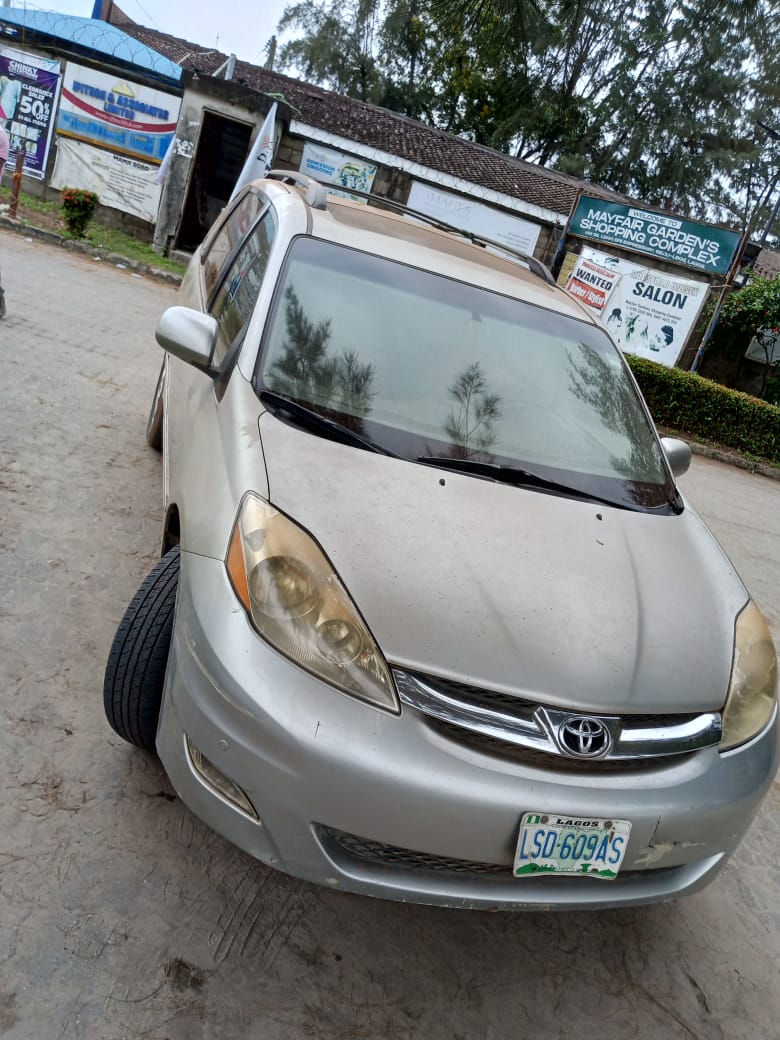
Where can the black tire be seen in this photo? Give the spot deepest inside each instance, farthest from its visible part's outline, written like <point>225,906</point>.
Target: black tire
<point>154,424</point>
<point>133,684</point>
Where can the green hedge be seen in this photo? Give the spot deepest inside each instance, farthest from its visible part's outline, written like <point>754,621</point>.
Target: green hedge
<point>704,409</point>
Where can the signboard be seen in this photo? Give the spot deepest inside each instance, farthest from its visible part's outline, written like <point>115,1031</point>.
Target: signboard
<point>765,347</point>
<point>677,241</point>
<point>120,182</point>
<point>468,215</point>
<point>29,86</point>
<point>116,113</point>
<point>648,312</point>
<point>592,283</point>
<point>331,167</point>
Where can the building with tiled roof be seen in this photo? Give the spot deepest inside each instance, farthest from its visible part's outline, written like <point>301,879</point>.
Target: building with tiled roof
<point>414,147</point>
<point>222,103</point>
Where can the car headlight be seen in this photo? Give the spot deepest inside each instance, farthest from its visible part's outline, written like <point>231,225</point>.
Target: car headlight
<point>297,603</point>
<point>753,685</point>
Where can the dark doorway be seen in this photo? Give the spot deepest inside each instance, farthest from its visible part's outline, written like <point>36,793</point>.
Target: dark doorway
<point>222,149</point>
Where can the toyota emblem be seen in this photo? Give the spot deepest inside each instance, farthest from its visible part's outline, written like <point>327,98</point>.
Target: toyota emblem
<point>584,737</point>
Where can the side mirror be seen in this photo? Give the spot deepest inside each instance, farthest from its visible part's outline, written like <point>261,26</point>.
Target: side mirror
<point>678,455</point>
<point>188,335</point>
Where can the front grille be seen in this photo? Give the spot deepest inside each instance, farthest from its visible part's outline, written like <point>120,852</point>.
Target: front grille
<point>342,846</point>
<point>487,745</point>
<point>521,730</point>
<point>379,854</point>
<point>503,703</point>
<point>508,704</point>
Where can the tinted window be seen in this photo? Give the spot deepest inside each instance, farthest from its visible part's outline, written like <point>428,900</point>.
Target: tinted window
<point>237,295</point>
<point>425,365</point>
<point>219,249</point>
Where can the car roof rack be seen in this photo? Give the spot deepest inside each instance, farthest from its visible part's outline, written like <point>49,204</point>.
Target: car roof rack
<point>319,192</point>
<point>316,194</point>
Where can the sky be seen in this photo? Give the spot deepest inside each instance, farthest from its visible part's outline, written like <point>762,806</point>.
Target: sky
<point>230,26</point>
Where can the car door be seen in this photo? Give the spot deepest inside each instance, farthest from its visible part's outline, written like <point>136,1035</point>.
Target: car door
<point>203,418</point>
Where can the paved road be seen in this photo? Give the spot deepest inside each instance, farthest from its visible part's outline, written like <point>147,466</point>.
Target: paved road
<point>121,916</point>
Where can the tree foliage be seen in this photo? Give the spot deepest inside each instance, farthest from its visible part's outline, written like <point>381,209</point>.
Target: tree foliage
<point>754,307</point>
<point>661,99</point>
<point>752,312</point>
<point>308,371</point>
<point>470,423</point>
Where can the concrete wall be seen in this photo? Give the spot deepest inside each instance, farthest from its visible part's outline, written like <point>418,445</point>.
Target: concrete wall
<point>38,189</point>
<point>221,98</point>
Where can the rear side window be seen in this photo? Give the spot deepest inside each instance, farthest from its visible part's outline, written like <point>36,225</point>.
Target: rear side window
<point>224,243</point>
<point>237,295</point>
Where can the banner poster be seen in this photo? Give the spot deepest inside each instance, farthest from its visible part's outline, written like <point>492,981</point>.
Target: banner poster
<point>120,182</point>
<point>331,167</point>
<point>648,312</point>
<point>29,87</point>
<point>469,215</point>
<point>104,109</point>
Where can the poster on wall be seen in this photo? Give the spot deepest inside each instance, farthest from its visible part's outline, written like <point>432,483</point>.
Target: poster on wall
<point>108,110</point>
<point>648,312</point>
<point>29,87</point>
<point>470,215</point>
<point>120,182</point>
<point>331,167</point>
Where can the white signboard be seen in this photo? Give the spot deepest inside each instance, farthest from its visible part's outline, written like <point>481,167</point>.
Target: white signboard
<point>469,215</point>
<point>766,349</point>
<point>649,312</point>
<point>120,182</point>
<point>106,109</point>
<point>592,283</point>
<point>331,167</point>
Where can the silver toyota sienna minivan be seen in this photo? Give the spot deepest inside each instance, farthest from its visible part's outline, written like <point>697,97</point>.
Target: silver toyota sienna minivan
<point>432,621</point>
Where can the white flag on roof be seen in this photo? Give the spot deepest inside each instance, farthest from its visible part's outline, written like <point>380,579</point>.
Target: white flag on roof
<point>165,166</point>
<point>258,162</point>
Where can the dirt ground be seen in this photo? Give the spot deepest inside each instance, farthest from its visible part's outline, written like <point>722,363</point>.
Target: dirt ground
<point>48,221</point>
<point>122,916</point>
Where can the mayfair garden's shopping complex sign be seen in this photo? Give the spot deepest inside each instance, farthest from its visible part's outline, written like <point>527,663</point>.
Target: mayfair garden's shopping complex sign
<point>678,241</point>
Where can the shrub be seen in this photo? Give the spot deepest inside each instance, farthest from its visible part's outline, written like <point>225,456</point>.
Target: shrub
<point>685,401</point>
<point>79,205</point>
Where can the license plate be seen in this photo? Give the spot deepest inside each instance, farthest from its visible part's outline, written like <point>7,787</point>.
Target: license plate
<point>550,843</point>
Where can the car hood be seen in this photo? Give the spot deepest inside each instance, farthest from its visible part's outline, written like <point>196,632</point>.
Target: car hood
<point>567,602</point>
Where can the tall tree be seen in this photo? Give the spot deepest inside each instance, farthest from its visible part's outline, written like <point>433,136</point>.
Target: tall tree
<point>656,98</point>
<point>336,46</point>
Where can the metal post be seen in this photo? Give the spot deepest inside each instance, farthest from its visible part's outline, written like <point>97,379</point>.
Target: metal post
<point>561,245</point>
<point>17,184</point>
<point>723,293</point>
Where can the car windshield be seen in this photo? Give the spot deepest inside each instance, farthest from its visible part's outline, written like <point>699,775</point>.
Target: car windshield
<point>424,367</point>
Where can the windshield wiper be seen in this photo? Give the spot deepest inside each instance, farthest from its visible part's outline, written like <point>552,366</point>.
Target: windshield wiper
<point>514,475</point>
<point>311,420</point>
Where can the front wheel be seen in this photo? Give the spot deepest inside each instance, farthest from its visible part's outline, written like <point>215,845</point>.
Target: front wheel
<point>135,673</point>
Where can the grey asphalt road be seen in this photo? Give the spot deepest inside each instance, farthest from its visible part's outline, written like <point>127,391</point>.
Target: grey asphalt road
<point>121,916</point>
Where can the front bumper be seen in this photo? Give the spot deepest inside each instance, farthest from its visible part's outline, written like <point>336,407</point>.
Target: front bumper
<point>352,797</point>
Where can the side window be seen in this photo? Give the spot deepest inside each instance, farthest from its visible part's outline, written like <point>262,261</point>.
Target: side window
<point>219,249</point>
<point>237,295</point>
